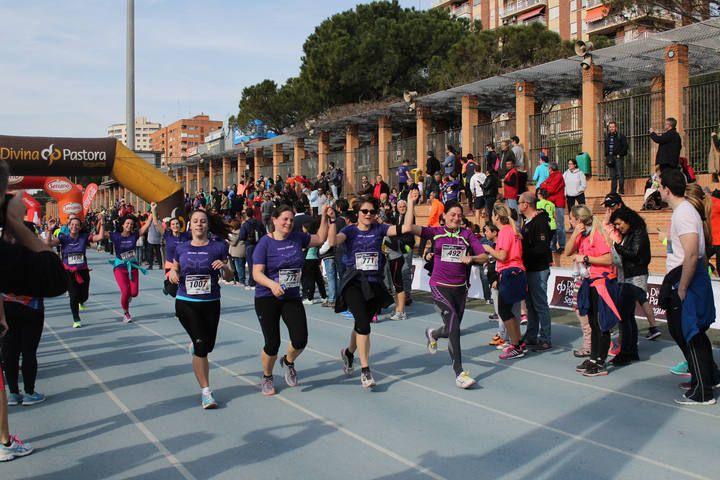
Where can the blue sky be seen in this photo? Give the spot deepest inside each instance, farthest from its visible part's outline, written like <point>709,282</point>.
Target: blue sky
<point>62,64</point>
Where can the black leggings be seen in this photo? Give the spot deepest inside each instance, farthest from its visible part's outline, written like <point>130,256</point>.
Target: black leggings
<point>78,292</point>
<point>23,337</point>
<point>362,310</point>
<point>200,320</point>
<point>396,267</point>
<point>451,303</point>
<point>269,311</point>
<point>629,295</point>
<point>599,340</point>
<point>311,276</point>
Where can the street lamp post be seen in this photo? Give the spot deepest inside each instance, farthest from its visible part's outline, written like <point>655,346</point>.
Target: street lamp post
<point>130,75</point>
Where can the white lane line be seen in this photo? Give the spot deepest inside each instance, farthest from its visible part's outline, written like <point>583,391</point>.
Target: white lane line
<point>172,459</point>
<point>365,441</point>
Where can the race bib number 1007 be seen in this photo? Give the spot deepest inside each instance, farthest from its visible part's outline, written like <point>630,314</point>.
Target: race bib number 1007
<point>197,284</point>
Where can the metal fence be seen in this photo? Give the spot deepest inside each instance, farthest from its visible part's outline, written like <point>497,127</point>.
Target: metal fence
<point>635,115</point>
<point>491,132</point>
<point>309,167</point>
<point>366,163</point>
<point>398,151</point>
<point>702,117</point>
<point>438,142</point>
<point>557,133</point>
<point>266,170</point>
<point>218,181</point>
<point>287,166</point>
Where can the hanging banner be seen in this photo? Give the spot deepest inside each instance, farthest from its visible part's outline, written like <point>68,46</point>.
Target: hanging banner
<point>58,156</point>
<point>90,192</point>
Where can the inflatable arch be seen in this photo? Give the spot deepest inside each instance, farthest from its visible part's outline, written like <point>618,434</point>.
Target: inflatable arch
<point>71,198</point>
<point>47,156</point>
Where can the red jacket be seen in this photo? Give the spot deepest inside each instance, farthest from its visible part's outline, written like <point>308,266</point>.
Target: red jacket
<point>510,189</point>
<point>555,185</point>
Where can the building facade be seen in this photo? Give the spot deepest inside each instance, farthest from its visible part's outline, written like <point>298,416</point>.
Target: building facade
<point>175,139</point>
<point>143,132</point>
<point>571,19</point>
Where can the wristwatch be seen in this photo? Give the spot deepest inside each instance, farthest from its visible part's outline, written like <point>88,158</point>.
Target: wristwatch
<point>586,260</point>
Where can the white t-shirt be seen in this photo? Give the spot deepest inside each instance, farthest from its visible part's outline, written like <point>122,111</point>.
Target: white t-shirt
<point>685,219</point>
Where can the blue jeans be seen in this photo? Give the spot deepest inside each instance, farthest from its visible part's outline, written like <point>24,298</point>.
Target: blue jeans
<point>249,249</point>
<point>334,190</point>
<point>560,233</point>
<point>330,271</point>
<point>407,274</point>
<point>538,311</point>
<point>239,269</point>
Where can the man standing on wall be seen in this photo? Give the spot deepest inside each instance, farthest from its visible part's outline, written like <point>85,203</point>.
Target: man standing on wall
<point>616,148</point>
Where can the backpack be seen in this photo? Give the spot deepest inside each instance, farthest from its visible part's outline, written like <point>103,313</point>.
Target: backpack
<point>253,234</point>
<point>522,181</point>
<point>339,176</point>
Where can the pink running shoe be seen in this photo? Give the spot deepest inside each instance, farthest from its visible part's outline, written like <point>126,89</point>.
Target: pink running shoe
<point>614,349</point>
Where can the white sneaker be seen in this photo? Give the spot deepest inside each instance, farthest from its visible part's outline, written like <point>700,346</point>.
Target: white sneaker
<point>431,342</point>
<point>127,318</point>
<point>248,287</point>
<point>398,316</point>
<point>367,380</point>
<point>464,380</point>
<point>308,302</point>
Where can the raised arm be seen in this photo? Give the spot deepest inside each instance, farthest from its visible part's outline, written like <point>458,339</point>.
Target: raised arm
<point>319,238</point>
<point>144,228</point>
<point>101,232</point>
<point>409,224</point>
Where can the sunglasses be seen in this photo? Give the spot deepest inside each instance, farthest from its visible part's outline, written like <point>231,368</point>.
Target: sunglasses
<point>365,211</point>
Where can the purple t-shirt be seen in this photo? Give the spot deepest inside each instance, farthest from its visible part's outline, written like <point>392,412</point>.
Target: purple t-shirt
<point>451,190</point>
<point>198,280</point>
<point>171,243</point>
<point>448,248</point>
<point>73,250</point>
<point>364,249</point>
<point>403,173</point>
<point>283,260</point>
<point>124,246</point>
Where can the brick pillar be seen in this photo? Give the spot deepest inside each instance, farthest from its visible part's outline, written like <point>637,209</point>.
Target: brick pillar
<point>323,150</point>
<point>259,159</point>
<point>225,172</point>
<point>278,158</point>
<point>592,95</point>
<point>198,176</point>
<point>211,174</point>
<point>299,156</point>
<point>352,142</point>
<point>384,137</point>
<point>188,179</point>
<point>470,118</point>
<point>677,77</point>
<point>241,166</point>
<point>524,109</point>
<point>423,120</point>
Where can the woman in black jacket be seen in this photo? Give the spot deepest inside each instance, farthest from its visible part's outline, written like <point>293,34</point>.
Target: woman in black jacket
<point>490,190</point>
<point>634,252</point>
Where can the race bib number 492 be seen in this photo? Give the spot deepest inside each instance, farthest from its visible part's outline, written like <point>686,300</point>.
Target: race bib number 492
<point>367,261</point>
<point>452,253</point>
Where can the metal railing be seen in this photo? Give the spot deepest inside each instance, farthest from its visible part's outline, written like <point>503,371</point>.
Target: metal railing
<point>492,132</point>
<point>218,182</point>
<point>438,142</point>
<point>266,170</point>
<point>702,118</point>
<point>366,163</point>
<point>557,133</point>
<point>309,167</point>
<point>397,151</point>
<point>635,115</point>
<point>515,7</point>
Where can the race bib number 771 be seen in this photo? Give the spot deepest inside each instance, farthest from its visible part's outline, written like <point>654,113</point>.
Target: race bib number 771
<point>367,261</point>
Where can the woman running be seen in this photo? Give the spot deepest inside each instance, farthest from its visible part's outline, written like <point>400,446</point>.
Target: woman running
<point>74,247</point>
<point>173,237</point>
<point>362,290</point>
<point>512,282</point>
<point>454,249</point>
<point>589,246</point>
<point>196,270</point>
<point>125,265</point>
<point>277,269</point>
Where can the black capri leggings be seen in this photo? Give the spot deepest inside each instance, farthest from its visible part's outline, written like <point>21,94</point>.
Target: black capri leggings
<point>23,337</point>
<point>200,320</point>
<point>396,266</point>
<point>269,311</point>
<point>362,310</point>
<point>78,292</point>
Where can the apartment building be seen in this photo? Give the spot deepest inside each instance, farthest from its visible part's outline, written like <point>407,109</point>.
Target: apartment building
<point>143,133</point>
<point>572,19</point>
<point>181,135</point>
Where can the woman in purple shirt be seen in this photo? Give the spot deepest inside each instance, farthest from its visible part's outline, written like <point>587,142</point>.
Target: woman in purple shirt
<point>74,246</point>
<point>362,290</point>
<point>277,269</point>
<point>196,270</point>
<point>454,249</point>
<point>173,235</point>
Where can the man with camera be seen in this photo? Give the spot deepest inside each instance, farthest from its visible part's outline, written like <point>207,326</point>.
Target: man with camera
<point>616,148</point>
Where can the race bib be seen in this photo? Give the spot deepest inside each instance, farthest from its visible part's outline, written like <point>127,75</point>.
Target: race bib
<point>76,259</point>
<point>290,278</point>
<point>367,261</point>
<point>197,284</point>
<point>452,253</point>
<point>127,256</point>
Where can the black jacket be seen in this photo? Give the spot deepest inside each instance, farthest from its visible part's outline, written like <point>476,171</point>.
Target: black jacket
<point>490,186</point>
<point>432,165</point>
<point>621,145</point>
<point>668,154</point>
<point>536,243</point>
<point>634,253</point>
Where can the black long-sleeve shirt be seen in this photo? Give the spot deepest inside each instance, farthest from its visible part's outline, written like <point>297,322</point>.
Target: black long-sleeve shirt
<point>536,243</point>
<point>35,274</point>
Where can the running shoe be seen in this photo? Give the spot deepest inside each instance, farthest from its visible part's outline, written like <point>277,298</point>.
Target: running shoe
<point>503,346</point>
<point>595,370</point>
<point>398,316</point>
<point>127,318</point>
<point>653,333</point>
<point>689,401</point>
<point>32,398</point>
<point>512,352</point>
<point>374,319</point>
<point>290,372</point>
<point>541,347</point>
<point>208,402</point>
<point>16,449</point>
<point>614,348</point>
<point>367,380</point>
<point>347,358</point>
<point>523,319</point>
<point>496,340</point>
<point>681,369</point>
<point>77,324</point>
<point>14,399</point>
<point>584,366</point>
<point>431,342</point>
<point>685,386</point>
<point>81,306</point>
<point>464,380</point>
<point>581,353</point>
<point>493,316</point>
<point>307,301</point>
<point>248,287</point>
<point>268,388</point>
